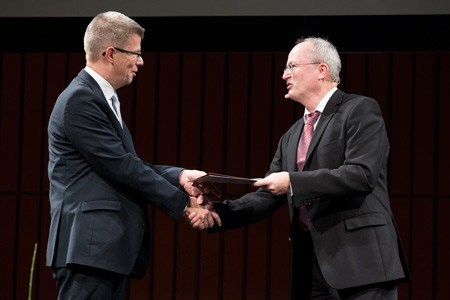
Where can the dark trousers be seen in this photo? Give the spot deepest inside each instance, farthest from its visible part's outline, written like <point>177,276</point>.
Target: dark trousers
<point>82,282</point>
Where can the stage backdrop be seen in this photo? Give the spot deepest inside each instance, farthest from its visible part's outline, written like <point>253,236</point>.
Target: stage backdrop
<point>225,112</point>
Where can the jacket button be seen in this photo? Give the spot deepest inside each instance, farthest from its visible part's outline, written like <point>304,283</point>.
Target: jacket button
<point>144,226</point>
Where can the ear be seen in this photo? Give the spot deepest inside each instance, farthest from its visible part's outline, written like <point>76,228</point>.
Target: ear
<point>109,54</point>
<point>323,71</point>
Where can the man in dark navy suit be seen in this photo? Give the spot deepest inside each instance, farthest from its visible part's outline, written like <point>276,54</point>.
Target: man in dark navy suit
<point>99,187</point>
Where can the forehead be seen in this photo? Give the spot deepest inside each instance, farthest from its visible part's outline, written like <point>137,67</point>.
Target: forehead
<point>299,52</point>
<point>134,41</point>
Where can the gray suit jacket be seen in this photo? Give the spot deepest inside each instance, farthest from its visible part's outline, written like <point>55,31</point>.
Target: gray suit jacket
<point>344,188</point>
<point>99,188</point>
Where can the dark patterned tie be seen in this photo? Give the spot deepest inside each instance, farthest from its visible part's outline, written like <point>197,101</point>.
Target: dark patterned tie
<point>303,145</point>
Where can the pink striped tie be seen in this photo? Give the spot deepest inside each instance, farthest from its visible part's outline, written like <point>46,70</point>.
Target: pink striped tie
<point>303,145</point>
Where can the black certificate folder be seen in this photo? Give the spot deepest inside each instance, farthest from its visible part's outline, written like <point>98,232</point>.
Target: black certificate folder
<point>220,178</point>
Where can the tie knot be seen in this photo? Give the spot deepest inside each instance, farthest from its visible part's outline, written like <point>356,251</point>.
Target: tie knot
<point>312,117</point>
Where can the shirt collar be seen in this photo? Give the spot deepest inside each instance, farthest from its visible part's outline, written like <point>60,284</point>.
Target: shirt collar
<point>322,102</point>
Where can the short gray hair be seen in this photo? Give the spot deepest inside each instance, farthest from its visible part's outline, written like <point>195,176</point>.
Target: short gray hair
<point>324,51</point>
<point>109,29</point>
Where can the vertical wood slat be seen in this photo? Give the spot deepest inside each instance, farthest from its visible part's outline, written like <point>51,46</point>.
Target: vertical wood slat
<point>425,96</point>
<point>378,81</point>
<point>422,248</point>
<point>8,234</point>
<point>400,209</point>
<point>189,152</point>
<point>443,248</point>
<point>210,263</point>
<point>27,237</point>
<point>10,120</point>
<point>444,125</point>
<point>164,252</point>
<point>260,146</point>
<point>401,123</point>
<point>32,123</point>
<point>234,258</point>
<point>355,73</point>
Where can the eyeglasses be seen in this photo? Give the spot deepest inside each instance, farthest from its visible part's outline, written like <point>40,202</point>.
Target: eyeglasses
<point>138,54</point>
<point>290,67</point>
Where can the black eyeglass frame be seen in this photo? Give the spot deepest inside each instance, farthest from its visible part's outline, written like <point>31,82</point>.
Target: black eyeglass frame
<point>138,54</point>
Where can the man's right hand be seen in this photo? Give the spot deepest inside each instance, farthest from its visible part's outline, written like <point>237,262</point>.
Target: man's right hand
<point>200,214</point>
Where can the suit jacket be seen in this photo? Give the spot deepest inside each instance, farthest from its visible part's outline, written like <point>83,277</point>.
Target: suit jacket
<point>99,188</point>
<point>343,186</point>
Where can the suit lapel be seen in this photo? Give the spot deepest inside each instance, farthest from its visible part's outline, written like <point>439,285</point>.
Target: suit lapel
<point>293,145</point>
<point>123,133</point>
<point>328,113</point>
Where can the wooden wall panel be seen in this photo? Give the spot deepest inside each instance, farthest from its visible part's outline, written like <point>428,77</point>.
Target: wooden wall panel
<point>236,145</point>
<point>354,79</point>
<point>422,248</point>
<point>401,208</point>
<point>443,249</point>
<point>8,223</point>
<point>379,80</point>
<point>258,235</point>
<point>214,115</point>
<point>27,236</point>
<point>225,112</point>
<point>444,125</point>
<point>402,103</point>
<point>10,110</point>
<point>33,128</point>
<point>424,122</point>
<point>164,253</point>
<point>190,131</point>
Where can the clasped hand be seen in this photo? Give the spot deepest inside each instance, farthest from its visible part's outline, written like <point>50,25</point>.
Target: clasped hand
<point>199,212</point>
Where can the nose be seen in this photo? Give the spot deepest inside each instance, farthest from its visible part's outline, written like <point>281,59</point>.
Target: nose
<point>285,75</point>
<point>140,61</point>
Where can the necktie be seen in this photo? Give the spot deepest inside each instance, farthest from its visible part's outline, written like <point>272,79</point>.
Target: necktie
<point>303,145</point>
<point>116,107</point>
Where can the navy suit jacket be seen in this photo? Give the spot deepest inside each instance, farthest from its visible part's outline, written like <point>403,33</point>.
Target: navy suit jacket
<point>344,188</point>
<point>100,188</point>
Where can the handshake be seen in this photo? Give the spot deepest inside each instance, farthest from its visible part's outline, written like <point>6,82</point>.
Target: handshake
<point>199,212</point>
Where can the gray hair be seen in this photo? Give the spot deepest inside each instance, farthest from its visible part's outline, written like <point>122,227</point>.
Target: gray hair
<point>323,51</point>
<point>109,29</point>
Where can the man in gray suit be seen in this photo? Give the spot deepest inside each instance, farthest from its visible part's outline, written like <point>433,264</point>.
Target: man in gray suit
<point>99,187</point>
<point>331,169</point>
